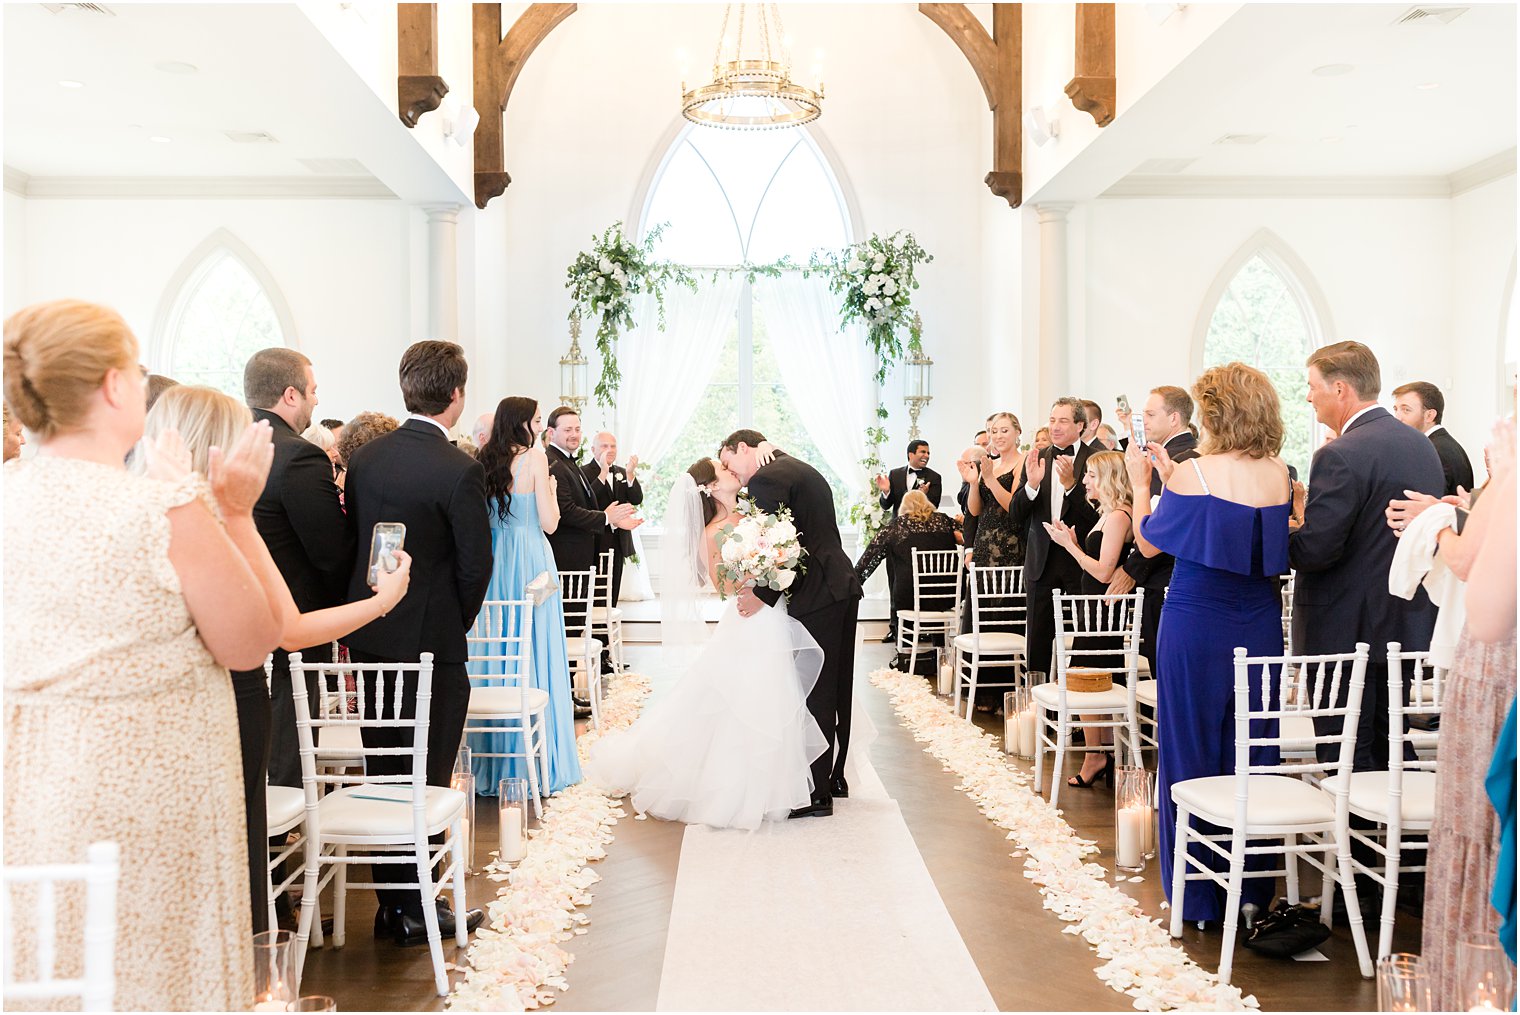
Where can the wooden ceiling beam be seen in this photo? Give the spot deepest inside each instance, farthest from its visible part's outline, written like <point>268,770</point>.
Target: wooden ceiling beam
<point>419,89</point>
<point>997,60</point>
<point>1094,90</point>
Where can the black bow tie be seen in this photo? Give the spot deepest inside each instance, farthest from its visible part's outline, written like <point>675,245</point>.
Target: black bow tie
<point>1065,451</point>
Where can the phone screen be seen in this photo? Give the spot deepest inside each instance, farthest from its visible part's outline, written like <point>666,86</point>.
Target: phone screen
<point>1137,430</point>
<point>387,539</point>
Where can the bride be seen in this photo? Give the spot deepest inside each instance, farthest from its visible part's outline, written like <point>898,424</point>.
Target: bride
<point>731,743</point>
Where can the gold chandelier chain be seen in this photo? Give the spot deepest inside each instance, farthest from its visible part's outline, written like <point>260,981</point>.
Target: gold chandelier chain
<point>723,34</point>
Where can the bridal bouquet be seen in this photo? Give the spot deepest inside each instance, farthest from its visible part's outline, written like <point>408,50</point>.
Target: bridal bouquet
<point>760,549</point>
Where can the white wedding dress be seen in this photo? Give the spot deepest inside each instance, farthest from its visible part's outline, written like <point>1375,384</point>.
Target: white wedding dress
<point>730,744</point>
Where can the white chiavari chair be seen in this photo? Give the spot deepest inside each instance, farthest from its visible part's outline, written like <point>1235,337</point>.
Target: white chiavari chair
<point>503,701</point>
<point>998,606</point>
<point>936,603</point>
<point>1267,806</point>
<point>578,593</point>
<point>96,988</point>
<point>606,619</point>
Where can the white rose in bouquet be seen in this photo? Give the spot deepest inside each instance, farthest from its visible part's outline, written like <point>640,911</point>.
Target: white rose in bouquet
<point>785,578</point>
<point>855,266</point>
<point>760,550</point>
<point>881,262</point>
<point>733,551</point>
<point>783,532</point>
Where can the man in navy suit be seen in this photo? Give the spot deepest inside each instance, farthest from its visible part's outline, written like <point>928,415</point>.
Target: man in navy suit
<point>1343,549</point>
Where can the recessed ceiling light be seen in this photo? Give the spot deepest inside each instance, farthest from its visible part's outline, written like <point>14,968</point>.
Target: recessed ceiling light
<point>176,67</point>
<point>1333,70</point>
<point>1428,85</point>
<point>71,84</point>
<point>160,139</point>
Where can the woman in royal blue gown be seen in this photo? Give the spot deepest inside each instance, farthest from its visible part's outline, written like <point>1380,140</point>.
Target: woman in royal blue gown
<point>523,507</point>
<point>1224,516</point>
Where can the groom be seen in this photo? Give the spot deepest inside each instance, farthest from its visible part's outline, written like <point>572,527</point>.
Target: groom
<point>825,599</point>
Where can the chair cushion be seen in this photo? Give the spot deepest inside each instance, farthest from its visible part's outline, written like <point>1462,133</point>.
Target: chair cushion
<point>1369,795</point>
<point>577,647</point>
<point>928,616</point>
<point>599,614</point>
<point>339,742</point>
<point>1145,690</point>
<point>1049,695</point>
<point>354,810</point>
<point>1297,727</point>
<point>1273,800</point>
<point>992,642</point>
<point>283,807</point>
<point>507,700</point>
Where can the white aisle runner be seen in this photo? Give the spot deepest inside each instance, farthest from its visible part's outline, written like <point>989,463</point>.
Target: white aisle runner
<point>831,914</point>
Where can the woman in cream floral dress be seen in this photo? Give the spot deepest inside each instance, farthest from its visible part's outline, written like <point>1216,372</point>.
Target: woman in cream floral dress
<point>126,599</point>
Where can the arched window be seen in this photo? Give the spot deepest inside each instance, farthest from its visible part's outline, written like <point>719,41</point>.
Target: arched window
<point>222,312</point>
<point>730,198</point>
<point>1263,316</point>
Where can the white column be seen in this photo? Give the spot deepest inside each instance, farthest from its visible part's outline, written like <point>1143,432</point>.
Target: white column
<point>443,272</point>
<point>1055,338</point>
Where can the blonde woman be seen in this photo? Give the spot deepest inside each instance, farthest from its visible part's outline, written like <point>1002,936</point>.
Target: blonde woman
<point>207,419</point>
<point>993,482</point>
<point>1100,556</point>
<point>917,527</point>
<point>1224,516</point>
<point>126,601</point>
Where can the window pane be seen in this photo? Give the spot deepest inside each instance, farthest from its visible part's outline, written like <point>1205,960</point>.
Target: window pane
<point>744,163</point>
<point>224,319</point>
<point>715,417</point>
<point>701,224</point>
<point>801,212</point>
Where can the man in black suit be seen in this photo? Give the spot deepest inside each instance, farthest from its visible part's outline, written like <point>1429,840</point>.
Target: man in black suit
<point>1052,493</point>
<point>584,527</point>
<point>1094,414</point>
<point>614,484</point>
<point>414,475</point>
<point>1167,413</point>
<point>1421,405</point>
<point>890,490</point>
<point>825,599</point>
<point>1344,548</point>
<point>972,457</point>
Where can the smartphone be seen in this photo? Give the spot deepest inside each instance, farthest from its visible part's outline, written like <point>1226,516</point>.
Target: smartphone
<point>387,539</point>
<point>1137,430</point>
<point>1123,403</point>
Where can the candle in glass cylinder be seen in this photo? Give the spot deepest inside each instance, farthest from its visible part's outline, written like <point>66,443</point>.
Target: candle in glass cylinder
<point>512,846</point>
<point>1129,849</point>
<point>1026,733</point>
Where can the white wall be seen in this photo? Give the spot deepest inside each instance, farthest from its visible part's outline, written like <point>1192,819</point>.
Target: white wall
<point>342,266</point>
<point>1483,271</point>
<point>15,253</point>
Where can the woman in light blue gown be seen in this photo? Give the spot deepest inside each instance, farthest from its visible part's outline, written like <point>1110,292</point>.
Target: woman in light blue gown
<point>522,500</point>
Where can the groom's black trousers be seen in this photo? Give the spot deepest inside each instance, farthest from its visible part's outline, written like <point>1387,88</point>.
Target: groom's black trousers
<point>833,628</point>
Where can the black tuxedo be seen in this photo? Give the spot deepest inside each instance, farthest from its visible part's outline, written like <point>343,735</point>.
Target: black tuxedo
<point>1343,553</point>
<point>825,598</point>
<point>1454,462</point>
<point>583,532</point>
<point>413,475</point>
<point>1154,574</point>
<point>968,520</point>
<point>899,482</point>
<point>300,519</point>
<point>618,490</point>
<point>1048,567</point>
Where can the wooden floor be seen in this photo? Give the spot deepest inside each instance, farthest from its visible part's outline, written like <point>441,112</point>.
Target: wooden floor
<point>1027,962</point>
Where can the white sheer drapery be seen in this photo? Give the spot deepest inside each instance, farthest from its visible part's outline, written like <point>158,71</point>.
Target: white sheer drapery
<point>665,373</point>
<point>828,372</point>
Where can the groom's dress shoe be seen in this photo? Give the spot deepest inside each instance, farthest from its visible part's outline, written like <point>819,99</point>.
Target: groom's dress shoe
<point>839,788</point>
<point>473,918</point>
<point>819,807</point>
<point>408,929</point>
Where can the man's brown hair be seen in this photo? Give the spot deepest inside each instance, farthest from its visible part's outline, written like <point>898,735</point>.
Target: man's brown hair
<point>430,373</point>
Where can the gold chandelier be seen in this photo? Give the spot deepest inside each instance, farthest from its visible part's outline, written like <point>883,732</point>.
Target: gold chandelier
<point>752,91</point>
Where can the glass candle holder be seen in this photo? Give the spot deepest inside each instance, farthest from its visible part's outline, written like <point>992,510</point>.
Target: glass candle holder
<point>274,970</point>
<point>463,780</point>
<point>512,799</point>
<point>1485,978</point>
<point>313,1002</point>
<point>1133,817</point>
<point>946,676</point>
<point>1403,984</point>
<point>1012,705</point>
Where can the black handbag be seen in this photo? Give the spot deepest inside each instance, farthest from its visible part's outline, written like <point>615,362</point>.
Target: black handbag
<point>1287,931</point>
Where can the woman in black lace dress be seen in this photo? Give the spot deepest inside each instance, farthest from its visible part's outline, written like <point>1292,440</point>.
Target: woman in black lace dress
<point>917,527</point>
<point>998,542</point>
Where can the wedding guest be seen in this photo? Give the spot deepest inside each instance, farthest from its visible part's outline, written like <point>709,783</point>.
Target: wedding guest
<point>360,430</point>
<point>614,484</point>
<point>584,528</point>
<point>1042,438</point>
<point>917,527</point>
<point>891,488</point>
<point>1464,854</point>
<point>1094,414</point>
<point>981,439</point>
<point>15,439</point>
<point>1421,405</point>
<point>324,438</point>
<point>336,426</point>
<point>414,476</point>
<point>1049,494</point>
<point>993,481</point>
<point>301,520</point>
<point>1100,555</point>
<point>481,431</point>
<point>1107,438</point>
<point>157,385</point>
<point>1224,518</point>
<point>1344,548</point>
<point>1167,413</point>
<point>205,419</point>
<point>969,467</point>
<point>158,598</point>
<point>523,503</point>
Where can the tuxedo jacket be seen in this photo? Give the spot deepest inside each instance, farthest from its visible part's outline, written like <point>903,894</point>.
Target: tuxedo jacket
<point>617,490</point>
<point>583,531</point>
<point>897,488</point>
<point>300,519</point>
<point>1040,554</point>
<point>968,520</point>
<point>413,475</point>
<point>829,575</point>
<point>1344,549</point>
<point>1155,573</point>
<point>1454,462</point>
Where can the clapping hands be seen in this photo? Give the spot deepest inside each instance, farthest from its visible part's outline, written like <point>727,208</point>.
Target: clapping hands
<point>237,476</point>
<point>1062,535</point>
<point>168,458</point>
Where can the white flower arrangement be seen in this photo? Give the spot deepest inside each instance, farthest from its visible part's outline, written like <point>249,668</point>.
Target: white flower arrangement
<point>515,962</point>
<point>760,549</point>
<point>866,511</point>
<point>1141,958</point>
<point>876,279</point>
